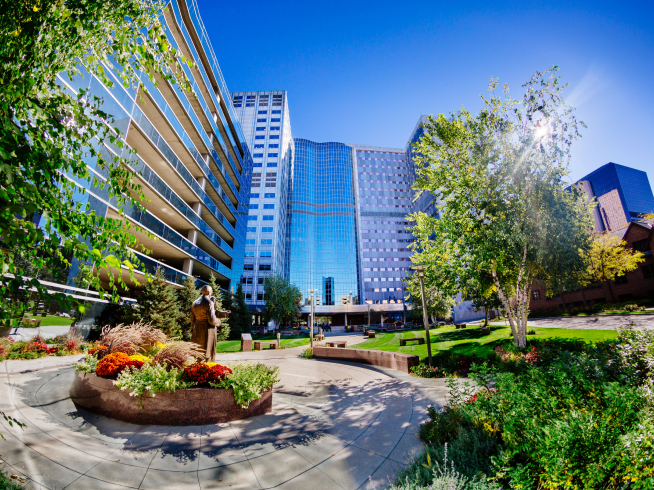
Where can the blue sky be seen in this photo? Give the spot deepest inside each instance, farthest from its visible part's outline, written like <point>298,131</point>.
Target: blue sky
<point>363,72</point>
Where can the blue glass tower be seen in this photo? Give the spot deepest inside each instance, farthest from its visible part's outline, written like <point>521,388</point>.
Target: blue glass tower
<point>323,244</point>
<point>623,195</point>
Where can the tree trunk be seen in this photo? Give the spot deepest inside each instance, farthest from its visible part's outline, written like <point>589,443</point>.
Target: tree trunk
<point>583,297</point>
<point>561,293</point>
<point>486,319</point>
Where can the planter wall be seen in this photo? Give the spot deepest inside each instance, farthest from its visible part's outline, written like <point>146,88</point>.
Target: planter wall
<point>193,406</point>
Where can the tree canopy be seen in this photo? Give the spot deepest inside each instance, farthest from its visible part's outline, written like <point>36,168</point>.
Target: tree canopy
<point>282,299</point>
<point>49,136</point>
<point>505,208</point>
<point>439,303</point>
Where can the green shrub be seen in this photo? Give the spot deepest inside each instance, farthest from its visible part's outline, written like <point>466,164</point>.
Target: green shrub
<point>424,371</point>
<point>88,364</point>
<point>307,353</point>
<point>150,379</point>
<point>249,381</point>
<point>8,483</point>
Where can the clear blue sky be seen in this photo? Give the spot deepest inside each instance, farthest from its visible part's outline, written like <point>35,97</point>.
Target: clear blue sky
<point>363,72</point>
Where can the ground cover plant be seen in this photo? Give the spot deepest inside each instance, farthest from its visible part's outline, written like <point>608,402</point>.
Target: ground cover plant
<point>61,345</point>
<point>456,349</point>
<point>144,361</point>
<point>576,416</point>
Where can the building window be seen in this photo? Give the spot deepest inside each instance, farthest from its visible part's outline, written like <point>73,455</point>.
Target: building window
<point>275,119</point>
<point>269,195</point>
<point>273,146</point>
<point>535,294</point>
<point>248,296</point>
<point>277,100</point>
<point>254,195</point>
<point>268,217</point>
<point>648,271</point>
<point>265,267</point>
<point>274,136</point>
<point>268,206</point>
<point>641,245</point>
<point>620,279</point>
<point>254,206</point>
<point>259,297</point>
<point>250,241</point>
<point>249,101</point>
<point>249,254</point>
<point>265,254</point>
<point>272,155</point>
<point>261,120</point>
<point>274,128</point>
<point>251,229</point>
<point>267,229</point>
<point>257,155</point>
<point>276,111</point>
<point>271,164</point>
<point>252,218</point>
<point>258,164</point>
<point>260,137</point>
<point>260,280</point>
<point>238,100</point>
<point>259,146</point>
<point>266,241</point>
<point>248,267</point>
<point>263,112</point>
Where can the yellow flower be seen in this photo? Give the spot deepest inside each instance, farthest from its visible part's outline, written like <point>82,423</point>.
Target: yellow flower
<point>212,364</point>
<point>160,345</point>
<point>140,357</point>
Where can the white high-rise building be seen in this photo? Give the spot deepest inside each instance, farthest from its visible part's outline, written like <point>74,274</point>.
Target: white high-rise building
<point>266,124</point>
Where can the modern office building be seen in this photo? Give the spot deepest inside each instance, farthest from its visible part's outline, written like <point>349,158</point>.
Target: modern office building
<point>266,124</point>
<point>623,195</point>
<point>192,161</point>
<point>323,232</point>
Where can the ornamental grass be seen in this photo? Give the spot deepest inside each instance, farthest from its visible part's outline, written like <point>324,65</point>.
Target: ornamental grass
<point>178,354</point>
<point>132,339</point>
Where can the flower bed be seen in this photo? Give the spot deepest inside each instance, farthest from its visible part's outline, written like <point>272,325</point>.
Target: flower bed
<point>62,345</point>
<point>137,360</point>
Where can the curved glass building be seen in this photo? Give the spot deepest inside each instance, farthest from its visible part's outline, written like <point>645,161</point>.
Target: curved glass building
<point>323,232</point>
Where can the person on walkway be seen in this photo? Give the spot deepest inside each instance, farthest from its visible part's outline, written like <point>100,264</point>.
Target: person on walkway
<point>204,323</point>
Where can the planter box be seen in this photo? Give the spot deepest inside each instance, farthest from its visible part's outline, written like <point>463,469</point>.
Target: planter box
<point>485,330</point>
<point>193,406</point>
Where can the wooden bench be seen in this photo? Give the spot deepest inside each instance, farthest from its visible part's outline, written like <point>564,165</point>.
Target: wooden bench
<point>342,343</point>
<point>259,345</point>
<point>421,340</point>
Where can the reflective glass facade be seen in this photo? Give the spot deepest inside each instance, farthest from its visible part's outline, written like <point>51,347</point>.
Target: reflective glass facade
<point>264,117</point>
<point>323,231</point>
<point>623,194</point>
<point>191,159</point>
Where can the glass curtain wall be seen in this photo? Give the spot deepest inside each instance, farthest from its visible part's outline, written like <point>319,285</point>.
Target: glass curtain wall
<point>323,245</point>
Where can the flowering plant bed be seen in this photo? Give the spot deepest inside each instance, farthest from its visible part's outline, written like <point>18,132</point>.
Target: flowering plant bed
<point>136,360</point>
<point>62,345</point>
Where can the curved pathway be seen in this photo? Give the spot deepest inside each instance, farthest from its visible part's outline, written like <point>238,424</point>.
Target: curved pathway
<point>334,425</point>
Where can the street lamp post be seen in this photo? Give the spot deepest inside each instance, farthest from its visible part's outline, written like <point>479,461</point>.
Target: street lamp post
<point>311,292</point>
<point>420,269</point>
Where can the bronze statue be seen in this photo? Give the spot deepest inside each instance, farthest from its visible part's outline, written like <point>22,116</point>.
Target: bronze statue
<point>204,320</point>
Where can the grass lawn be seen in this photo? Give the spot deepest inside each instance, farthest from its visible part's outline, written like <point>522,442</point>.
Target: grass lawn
<point>50,321</point>
<point>235,345</point>
<point>470,341</point>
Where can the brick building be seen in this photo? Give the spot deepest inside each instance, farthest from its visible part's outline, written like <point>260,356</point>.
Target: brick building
<point>637,284</point>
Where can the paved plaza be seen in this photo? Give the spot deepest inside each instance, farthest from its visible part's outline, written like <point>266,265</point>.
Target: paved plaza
<point>334,425</point>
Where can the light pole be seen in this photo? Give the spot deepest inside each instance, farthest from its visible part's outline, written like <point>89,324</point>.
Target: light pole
<point>368,316</point>
<point>420,269</point>
<point>311,292</point>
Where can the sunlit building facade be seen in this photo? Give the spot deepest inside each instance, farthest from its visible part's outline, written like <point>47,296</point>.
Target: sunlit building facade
<point>265,120</point>
<point>191,160</point>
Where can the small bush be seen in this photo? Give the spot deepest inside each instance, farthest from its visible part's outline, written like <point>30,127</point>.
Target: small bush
<point>249,381</point>
<point>307,353</point>
<point>425,371</point>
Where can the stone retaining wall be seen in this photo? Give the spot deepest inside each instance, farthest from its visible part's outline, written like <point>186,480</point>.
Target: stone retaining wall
<point>393,360</point>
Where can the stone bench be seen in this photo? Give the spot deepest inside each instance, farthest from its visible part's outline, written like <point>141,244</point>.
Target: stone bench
<point>342,343</point>
<point>371,334</point>
<point>421,340</point>
<point>259,345</point>
<point>319,337</point>
<point>393,360</point>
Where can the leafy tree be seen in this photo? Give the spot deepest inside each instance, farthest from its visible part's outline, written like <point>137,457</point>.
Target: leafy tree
<point>48,134</point>
<point>185,298</point>
<point>158,304</point>
<point>609,257</point>
<point>222,332</point>
<point>281,299</point>
<point>498,178</point>
<point>484,295</point>
<point>240,318</point>
<point>439,303</point>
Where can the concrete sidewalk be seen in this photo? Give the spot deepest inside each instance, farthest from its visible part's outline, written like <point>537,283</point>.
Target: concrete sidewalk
<point>597,322</point>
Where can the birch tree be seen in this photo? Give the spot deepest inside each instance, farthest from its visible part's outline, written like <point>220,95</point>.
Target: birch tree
<point>506,212</point>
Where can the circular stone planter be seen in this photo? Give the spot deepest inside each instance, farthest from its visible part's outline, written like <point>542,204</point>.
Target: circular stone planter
<point>193,406</point>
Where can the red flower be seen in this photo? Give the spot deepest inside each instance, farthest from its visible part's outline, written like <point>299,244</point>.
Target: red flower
<point>100,350</point>
<point>201,373</point>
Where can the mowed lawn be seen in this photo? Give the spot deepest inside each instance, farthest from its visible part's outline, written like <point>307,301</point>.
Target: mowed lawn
<point>235,345</point>
<point>470,341</point>
<point>51,321</point>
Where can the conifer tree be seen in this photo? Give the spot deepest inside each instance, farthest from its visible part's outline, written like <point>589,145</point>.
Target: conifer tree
<point>185,298</point>
<point>241,319</point>
<point>222,332</point>
<point>158,305</point>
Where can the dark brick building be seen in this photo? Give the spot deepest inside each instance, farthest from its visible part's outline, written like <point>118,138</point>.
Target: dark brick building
<point>638,284</point>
